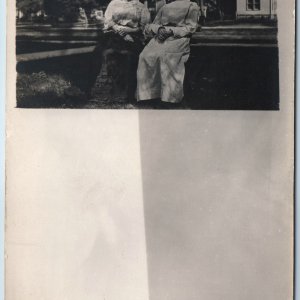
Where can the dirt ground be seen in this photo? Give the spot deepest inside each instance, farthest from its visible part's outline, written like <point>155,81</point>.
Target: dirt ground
<point>216,78</point>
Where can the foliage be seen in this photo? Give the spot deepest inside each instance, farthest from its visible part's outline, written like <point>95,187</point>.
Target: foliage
<point>32,88</point>
<point>30,6</point>
<point>70,8</point>
<point>62,8</point>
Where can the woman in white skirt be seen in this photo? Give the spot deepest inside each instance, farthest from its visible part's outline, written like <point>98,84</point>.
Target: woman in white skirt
<point>161,66</point>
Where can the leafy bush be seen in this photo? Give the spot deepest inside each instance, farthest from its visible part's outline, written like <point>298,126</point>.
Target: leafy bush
<point>43,90</point>
<point>29,6</point>
<point>69,9</point>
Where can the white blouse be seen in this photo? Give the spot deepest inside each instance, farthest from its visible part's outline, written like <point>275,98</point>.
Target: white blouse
<point>132,13</point>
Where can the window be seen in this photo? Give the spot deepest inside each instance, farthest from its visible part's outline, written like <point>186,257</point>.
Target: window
<point>253,4</point>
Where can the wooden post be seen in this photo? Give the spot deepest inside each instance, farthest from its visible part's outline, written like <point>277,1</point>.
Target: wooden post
<point>219,5</point>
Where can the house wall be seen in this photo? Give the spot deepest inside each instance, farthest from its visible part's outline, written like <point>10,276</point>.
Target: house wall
<point>268,8</point>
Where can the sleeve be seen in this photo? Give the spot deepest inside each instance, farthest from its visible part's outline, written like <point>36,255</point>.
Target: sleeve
<point>151,29</point>
<point>190,23</point>
<point>145,17</point>
<point>108,23</point>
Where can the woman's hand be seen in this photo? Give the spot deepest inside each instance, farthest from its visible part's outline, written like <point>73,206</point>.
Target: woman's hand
<point>163,34</point>
<point>119,30</point>
<point>123,30</point>
<point>128,38</point>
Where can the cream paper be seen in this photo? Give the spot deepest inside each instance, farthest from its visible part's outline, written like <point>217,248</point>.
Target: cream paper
<point>151,205</point>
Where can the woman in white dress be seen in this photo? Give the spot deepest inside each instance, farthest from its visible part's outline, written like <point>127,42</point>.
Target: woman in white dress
<point>161,66</point>
<point>122,36</point>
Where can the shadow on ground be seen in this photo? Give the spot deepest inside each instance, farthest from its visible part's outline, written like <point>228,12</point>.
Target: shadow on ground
<point>217,78</point>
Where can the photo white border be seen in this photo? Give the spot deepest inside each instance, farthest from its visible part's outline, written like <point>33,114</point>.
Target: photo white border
<point>2,134</point>
<point>2,138</point>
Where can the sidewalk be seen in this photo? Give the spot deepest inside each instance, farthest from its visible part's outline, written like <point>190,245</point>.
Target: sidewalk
<point>238,35</point>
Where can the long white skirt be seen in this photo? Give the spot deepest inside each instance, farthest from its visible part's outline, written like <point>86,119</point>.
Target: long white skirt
<point>161,70</point>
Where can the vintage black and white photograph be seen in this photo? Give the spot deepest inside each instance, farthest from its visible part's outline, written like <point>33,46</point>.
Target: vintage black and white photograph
<point>150,150</point>
<point>131,54</point>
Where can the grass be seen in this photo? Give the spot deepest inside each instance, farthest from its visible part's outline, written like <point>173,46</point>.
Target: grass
<point>41,90</point>
<point>47,90</point>
<point>217,78</point>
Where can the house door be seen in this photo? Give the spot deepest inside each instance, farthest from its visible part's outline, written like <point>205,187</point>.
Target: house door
<point>220,9</point>
<point>228,8</point>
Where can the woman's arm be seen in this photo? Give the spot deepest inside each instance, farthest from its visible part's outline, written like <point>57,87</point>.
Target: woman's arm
<point>190,23</point>
<point>109,23</point>
<point>128,28</point>
<point>152,29</point>
<point>125,29</point>
<point>145,18</point>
